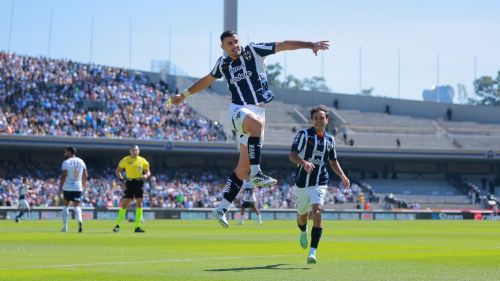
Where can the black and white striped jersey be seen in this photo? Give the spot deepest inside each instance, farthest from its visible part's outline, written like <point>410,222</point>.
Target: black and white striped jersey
<point>317,150</point>
<point>246,76</point>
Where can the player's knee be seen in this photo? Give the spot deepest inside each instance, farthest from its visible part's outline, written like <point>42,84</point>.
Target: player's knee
<point>316,210</point>
<point>255,127</point>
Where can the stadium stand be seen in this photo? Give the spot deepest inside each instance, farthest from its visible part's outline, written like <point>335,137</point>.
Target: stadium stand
<point>166,189</point>
<point>41,96</point>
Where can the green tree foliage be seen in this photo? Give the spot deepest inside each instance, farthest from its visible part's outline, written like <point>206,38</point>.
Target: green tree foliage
<point>314,83</point>
<point>487,90</point>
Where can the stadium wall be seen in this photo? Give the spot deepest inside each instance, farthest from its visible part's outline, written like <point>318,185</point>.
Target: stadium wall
<point>46,151</point>
<point>54,213</point>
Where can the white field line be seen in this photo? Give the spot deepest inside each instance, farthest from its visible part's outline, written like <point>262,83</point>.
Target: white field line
<point>139,262</point>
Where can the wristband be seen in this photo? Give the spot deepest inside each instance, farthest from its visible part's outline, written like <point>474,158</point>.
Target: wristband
<point>186,93</point>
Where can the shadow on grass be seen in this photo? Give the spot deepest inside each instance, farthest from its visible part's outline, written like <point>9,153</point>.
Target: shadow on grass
<point>265,267</point>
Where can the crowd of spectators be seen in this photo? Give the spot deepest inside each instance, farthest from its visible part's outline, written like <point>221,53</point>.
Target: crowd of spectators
<point>42,96</point>
<point>165,189</point>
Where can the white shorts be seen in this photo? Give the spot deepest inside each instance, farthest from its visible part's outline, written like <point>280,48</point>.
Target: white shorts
<point>237,114</point>
<point>308,196</point>
<point>23,204</point>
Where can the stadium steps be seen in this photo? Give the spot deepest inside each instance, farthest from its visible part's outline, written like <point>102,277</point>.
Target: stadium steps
<point>214,107</point>
<point>281,119</point>
<point>432,187</point>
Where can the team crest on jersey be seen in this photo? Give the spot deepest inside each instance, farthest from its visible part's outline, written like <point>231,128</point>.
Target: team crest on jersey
<point>247,55</point>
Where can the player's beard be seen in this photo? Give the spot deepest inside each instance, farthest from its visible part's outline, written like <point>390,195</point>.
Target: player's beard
<point>237,52</point>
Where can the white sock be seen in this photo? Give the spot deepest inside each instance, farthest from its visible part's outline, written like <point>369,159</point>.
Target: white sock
<point>65,214</point>
<point>78,212</point>
<point>260,217</point>
<point>254,169</point>
<point>312,251</point>
<point>224,204</point>
<point>242,218</point>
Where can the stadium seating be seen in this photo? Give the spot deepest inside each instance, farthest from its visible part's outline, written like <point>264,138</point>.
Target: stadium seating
<point>41,96</point>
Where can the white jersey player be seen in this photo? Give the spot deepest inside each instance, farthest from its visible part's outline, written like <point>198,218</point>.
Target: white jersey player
<point>73,179</point>
<point>24,205</point>
<point>249,201</point>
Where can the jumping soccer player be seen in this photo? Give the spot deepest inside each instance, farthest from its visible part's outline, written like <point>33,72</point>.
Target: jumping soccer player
<point>24,206</point>
<point>249,201</point>
<point>312,150</point>
<point>244,71</point>
<point>136,171</point>
<point>73,179</point>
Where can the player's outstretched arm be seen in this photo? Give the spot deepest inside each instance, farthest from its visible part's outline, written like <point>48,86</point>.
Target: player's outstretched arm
<point>289,45</point>
<point>198,86</point>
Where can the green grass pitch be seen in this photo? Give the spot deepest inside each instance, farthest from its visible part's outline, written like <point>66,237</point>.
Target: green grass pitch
<point>202,250</point>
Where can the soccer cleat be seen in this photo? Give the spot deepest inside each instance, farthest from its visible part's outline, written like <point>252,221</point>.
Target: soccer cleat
<point>259,223</point>
<point>303,239</point>
<point>80,227</point>
<point>116,229</point>
<point>220,215</point>
<point>64,229</point>
<point>311,259</point>
<point>261,180</point>
<point>17,219</point>
<point>139,230</point>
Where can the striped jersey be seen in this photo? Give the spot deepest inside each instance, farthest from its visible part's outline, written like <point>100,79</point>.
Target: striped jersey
<point>246,76</point>
<point>317,150</point>
<point>75,167</point>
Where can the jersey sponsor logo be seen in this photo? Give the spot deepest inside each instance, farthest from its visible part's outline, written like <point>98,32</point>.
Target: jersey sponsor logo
<point>236,68</point>
<point>315,161</point>
<point>241,76</point>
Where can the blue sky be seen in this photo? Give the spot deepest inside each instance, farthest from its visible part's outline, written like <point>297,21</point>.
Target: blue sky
<point>457,30</point>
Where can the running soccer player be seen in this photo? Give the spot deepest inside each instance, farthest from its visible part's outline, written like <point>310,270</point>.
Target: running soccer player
<point>136,171</point>
<point>249,201</point>
<point>244,71</point>
<point>312,150</point>
<point>24,206</point>
<point>73,178</point>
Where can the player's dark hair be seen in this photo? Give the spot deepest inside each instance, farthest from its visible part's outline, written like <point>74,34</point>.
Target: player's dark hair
<point>71,149</point>
<point>134,146</point>
<point>227,33</point>
<point>319,108</point>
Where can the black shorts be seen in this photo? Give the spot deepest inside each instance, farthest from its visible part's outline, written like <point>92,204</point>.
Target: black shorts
<point>75,196</point>
<point>134,189</point>
<point>248,205</point>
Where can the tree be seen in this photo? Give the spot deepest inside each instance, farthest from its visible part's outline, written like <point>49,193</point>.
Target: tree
<point>463,96</point>
<point>273,71</point>
<point>487,90</point>
<point>367,92</point>
<point>315,83</point>
<point>292,82</point>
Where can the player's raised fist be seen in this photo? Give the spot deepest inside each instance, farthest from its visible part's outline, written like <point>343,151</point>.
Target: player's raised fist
<point>177,99</point>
